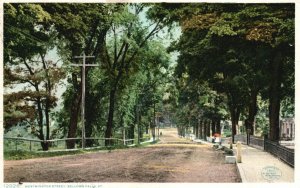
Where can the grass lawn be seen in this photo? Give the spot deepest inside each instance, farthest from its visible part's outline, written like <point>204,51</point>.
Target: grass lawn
<point>23,154</point>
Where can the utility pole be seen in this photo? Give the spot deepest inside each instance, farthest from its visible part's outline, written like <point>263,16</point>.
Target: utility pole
<point>158,126</point>
<point>138,121</point>
<point>83,65</point>
<point>154,123</point>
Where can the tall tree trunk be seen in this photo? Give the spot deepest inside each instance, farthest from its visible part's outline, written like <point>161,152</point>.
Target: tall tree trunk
<point>74,112</point>
<point>218,126</point>
<point>47,103</point>
<point>205,125</point>
<point>88,133</point>
<point>208,128</point>
<point>274,107</point>
<point>89,117</point>
<point>235,114</point>
<point>153,125</point>
<point>40,122</point>
<point>252,110</point>
<point>47,119</point>
<point>131,131</point>
<point>140,129</point>
<point>148,125</point>
<point>213,127</point>
<point>197,129</point>
<point>112,96</point>
<point>153,132</point>
<point>92,112</point>
<point>109,125</point>
<point>47,111</point>
<point>201,129</point>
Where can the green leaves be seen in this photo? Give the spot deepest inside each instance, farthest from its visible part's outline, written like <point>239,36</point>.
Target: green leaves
<point>230,46</point>
<point>222,29</point>
<point>31,77</point>
<point>24,30</point>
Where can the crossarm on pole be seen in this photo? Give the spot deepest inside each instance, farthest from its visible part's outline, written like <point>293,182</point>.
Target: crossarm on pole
<point>88,56</point>
<point>79,65</point>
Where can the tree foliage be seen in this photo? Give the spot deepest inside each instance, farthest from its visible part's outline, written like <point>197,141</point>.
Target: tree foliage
<point>233,47</point>
<point>31,76</point>
<point>234,60</point>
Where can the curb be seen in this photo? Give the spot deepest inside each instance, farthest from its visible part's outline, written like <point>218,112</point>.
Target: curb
<point>241,173</point>
<point>240,170</point>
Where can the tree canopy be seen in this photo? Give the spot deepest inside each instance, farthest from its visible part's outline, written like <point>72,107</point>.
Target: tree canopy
<point>234,62</point>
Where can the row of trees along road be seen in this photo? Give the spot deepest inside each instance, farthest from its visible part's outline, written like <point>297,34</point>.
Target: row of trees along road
<point>133,67</point>
<point>230,55</point>
<point>233,53</point>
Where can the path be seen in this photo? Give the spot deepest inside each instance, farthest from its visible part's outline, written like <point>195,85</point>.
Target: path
<point>170,136</point>
<point>172,160</point>
<point>260,166</point>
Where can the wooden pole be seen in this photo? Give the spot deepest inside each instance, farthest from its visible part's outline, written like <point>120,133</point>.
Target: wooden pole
<point>83,102</point>
<point>138,122</point>
<point>124,136</point>
<point>83,65</point>
<point>154,123</point>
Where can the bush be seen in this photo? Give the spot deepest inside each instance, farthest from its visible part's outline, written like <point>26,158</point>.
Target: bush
<point>228,151</point>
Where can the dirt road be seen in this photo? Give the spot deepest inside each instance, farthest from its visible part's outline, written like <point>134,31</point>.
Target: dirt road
<point>172,160</point>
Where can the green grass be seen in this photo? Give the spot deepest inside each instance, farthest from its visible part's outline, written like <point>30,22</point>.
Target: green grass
<point>22,154</point>
<point>19,154</point>
<point>146,144</point>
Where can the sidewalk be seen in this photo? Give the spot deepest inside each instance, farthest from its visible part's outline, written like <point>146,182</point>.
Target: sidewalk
<point>259,166</point>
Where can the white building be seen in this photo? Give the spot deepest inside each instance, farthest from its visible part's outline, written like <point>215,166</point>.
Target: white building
<point>287,129</point>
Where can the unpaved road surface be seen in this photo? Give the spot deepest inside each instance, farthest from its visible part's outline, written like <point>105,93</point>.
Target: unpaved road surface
<point>172,160</point>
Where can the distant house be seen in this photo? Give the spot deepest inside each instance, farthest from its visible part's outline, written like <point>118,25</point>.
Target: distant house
<point>287,129</point>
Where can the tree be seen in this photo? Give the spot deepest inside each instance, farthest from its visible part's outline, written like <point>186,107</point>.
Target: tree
<point>27,41</point>
<point>138,91</point>
<point>120,57</point>
<point>228,30</point>
<point>122,48</point>
<point>275,27</point>
<point>81,28</point>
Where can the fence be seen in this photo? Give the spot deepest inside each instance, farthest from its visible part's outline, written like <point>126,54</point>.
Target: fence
<point>284,153</point>
<point>241,138</point>
<point>256,142</point>
<point>17,143</point>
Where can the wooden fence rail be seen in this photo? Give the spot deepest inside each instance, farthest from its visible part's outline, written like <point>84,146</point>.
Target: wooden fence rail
<point>284,153</point>
<point>19,140</point>
<point>241,138</point>
<point>256,142</point>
